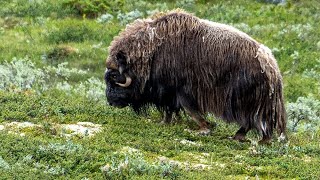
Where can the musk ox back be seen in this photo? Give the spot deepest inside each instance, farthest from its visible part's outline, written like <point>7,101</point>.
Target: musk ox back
<point>178,61</point>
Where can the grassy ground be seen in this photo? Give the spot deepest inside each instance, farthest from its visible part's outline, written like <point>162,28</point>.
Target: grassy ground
<point>136,146</point>
<point>37,36</point>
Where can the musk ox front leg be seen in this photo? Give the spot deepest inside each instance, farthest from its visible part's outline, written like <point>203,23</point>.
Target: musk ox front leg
<point>167,117</point>
<point>204,126</point>
<point>241,134</point>
<point>192,110</point>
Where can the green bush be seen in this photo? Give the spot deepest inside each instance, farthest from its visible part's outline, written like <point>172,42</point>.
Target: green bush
<point>128,164</point>
<point>59,53</point>
<point>304,113</point>
<point>72,33</point>
<point>94,8</point>
<point>295,86</point>
<point>126,18</point>
<point>20,75</point>
<point>71,30</point>
<point>34,8</point>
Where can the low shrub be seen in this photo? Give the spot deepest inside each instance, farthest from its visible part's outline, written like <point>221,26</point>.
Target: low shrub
<point>71,33</point>
<point>295,87</point>
<point>61,52</point>
<point>20,75</point>
<point>94,8</point>
<point>71,30</point>
<point>105,18</point>
<point>34,8</point>
<point>92,89</point>
<point>125,18</point>
<point>126,165</point>
<point>304,114</point>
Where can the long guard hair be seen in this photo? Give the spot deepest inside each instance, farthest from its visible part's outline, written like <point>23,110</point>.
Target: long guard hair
<point>226,71</point>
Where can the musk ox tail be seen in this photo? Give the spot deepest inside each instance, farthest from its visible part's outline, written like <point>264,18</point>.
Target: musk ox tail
<point>274,114</point>
<point>280,113</point>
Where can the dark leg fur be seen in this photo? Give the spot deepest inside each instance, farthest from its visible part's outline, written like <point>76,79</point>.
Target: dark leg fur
<point>192,110</point>
<point>167,117</point>
<point>204,126</point>
<point>266,139</point>
<point>241,134</point>
<point>178,116</point>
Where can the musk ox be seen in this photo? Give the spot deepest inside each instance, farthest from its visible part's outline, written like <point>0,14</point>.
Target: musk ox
<point>178,61</point>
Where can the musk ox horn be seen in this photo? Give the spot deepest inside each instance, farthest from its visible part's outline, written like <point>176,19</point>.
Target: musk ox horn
<point>127,83</point>
<point>121,69</point>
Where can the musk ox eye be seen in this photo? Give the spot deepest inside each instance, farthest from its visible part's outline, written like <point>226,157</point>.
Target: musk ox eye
<point>111,75</point>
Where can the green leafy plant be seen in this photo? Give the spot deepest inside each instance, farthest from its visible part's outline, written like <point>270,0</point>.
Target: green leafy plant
<point>60,53</point>
<point>125,18</point>
<point>34,8</point>
<point>93,8</point>
<point>123,166</point>
<point>71,33</point>
<point>21,74</point>
<point>305,113</point>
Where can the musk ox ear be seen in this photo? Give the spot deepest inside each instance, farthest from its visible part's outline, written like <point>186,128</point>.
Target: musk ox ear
<point>122,61</point>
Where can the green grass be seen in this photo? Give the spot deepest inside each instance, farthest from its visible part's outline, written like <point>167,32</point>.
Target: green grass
<point>131,146</point>
<point>82,157</point>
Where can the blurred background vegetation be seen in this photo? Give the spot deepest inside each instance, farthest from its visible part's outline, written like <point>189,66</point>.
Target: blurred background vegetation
<point>79,31</point>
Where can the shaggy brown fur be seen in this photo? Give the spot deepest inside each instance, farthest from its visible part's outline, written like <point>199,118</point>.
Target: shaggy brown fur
<point>228,73</point>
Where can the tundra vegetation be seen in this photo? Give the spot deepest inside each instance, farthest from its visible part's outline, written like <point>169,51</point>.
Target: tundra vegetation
<point>55,124</point>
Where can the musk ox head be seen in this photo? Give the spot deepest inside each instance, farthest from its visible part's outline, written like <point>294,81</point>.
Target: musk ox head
<point>131,55</point>
<point>120,81</point>
<point>128,64</point>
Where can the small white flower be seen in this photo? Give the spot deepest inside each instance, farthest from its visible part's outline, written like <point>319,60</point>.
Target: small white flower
<point>105,168</point>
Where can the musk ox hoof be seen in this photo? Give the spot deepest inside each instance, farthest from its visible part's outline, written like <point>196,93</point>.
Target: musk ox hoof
<point>204,131</point>
<point>163,122</point>
<point>265,141</point>
<point>201,132</point>
<point>213,125</point>
<point>239,138</point>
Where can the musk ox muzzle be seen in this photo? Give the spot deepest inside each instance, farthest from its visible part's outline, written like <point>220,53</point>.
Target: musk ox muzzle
<point>177,61</point>
<point>117,90</point>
